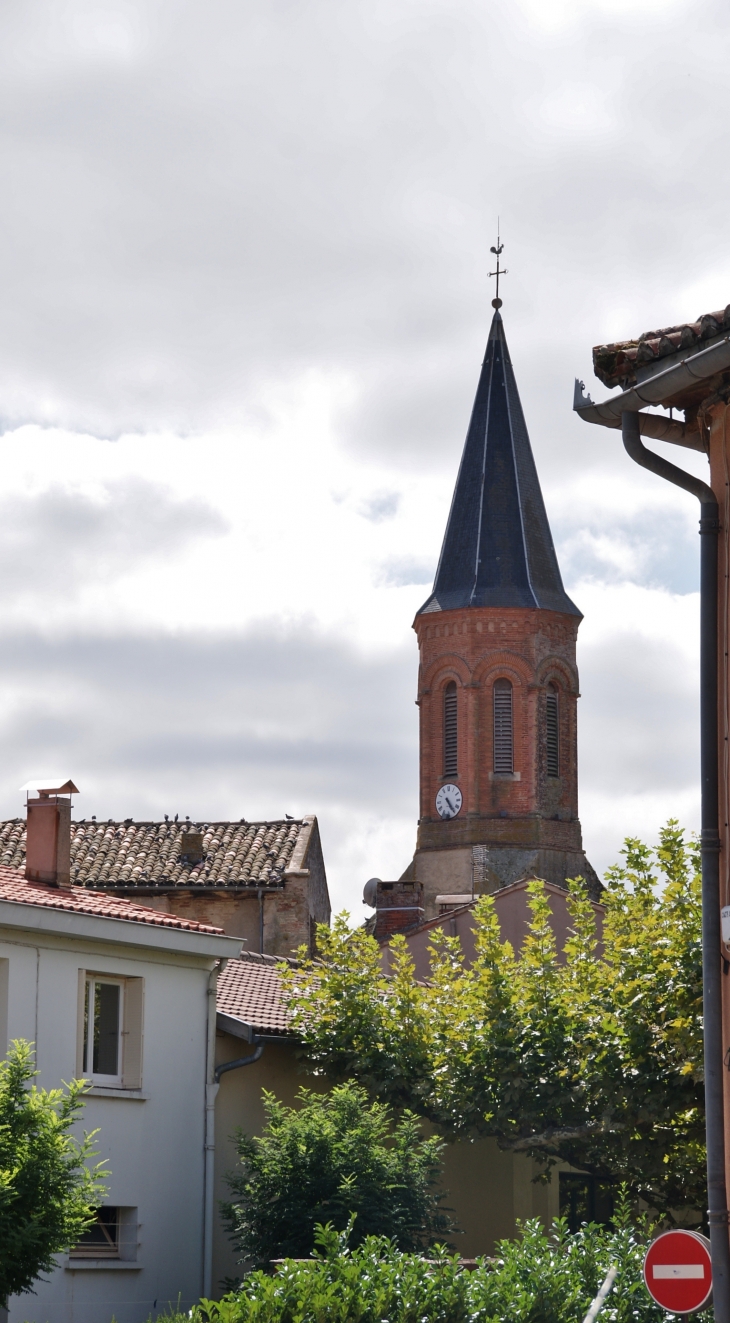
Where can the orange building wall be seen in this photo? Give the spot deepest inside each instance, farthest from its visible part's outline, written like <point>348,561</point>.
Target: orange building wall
<point>474,647</point>
<point>527,821</point>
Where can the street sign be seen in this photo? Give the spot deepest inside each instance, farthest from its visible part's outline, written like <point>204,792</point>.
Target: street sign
<point>678,1271</point>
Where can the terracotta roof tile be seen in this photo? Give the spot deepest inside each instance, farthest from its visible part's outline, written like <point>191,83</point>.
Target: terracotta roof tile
<point>78,900</point>
<point>249,989</point>
<point>151,854</point>
<point>617,364</point>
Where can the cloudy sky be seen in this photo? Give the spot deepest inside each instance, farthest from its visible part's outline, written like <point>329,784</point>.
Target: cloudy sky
<point>244,256</point>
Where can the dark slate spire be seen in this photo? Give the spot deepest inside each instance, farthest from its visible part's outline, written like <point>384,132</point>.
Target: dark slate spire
<point>498,549</point>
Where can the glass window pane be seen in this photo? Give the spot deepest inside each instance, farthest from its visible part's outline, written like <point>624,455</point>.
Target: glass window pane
<point>106,1028</point>
<point>102,1238</point>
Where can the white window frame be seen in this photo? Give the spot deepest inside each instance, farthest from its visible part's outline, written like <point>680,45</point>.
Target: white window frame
<point>91,982</point>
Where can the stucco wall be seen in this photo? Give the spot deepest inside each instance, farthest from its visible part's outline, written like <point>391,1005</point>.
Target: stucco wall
<point>236,912</point>
<point>513,911</point>
<point>152,1141</point>
<point>487,1189</point>
<point>239,1106</point>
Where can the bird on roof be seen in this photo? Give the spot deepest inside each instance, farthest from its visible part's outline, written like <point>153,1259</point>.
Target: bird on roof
<point>288,817</point>
<point>176,817</point>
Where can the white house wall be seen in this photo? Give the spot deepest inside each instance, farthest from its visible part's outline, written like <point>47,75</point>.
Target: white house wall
<point>153,1142</point>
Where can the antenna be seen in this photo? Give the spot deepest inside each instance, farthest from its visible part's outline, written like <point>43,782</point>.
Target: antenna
<point>501,271</point>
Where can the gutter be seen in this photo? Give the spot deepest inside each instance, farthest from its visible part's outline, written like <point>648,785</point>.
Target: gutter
<point>229,1024</point>
<point>655,389</point>
<point>626,406</point>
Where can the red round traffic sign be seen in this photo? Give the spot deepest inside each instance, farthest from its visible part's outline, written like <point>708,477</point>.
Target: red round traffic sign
<point>678,1271</point>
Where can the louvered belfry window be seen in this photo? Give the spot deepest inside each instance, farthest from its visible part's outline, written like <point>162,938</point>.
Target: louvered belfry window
<point>552,728</point>
<point>451,760</point>
<point>503,737</point>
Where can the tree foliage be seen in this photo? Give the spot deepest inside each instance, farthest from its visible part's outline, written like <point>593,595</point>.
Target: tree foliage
<point>542,1277</point>
<point>48,1194</point>
<point>592,1055</point>
<point>332,1156</point>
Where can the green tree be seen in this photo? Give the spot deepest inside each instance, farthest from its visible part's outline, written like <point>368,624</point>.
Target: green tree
<point>335,1155</point>
<point>594,1058</point>
<point>48,1194</point>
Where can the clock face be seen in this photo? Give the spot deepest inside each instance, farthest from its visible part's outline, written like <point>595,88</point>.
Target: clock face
<point>448,801</point>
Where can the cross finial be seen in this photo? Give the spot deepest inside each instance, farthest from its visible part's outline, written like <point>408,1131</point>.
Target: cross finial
<point>501,271</point>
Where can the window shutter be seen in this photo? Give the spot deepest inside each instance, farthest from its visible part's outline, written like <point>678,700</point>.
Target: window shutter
<point>451,751</point>
<point>503,738</point>
<point>132,1033</point>
<point>80,1009</point>
<point>552,727</point>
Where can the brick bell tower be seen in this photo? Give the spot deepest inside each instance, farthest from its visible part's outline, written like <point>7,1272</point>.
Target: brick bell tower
<point>498,683</point>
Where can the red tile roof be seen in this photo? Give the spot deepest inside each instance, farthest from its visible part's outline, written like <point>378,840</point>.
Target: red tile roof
<point>156,854</point>
<point>249,989</point>
<point>77,900</point>
<point>617,364</point>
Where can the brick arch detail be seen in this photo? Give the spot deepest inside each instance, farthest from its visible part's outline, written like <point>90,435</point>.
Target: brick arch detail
<point>557,668</point>
<point>447,665</point>
<point>510,664</point>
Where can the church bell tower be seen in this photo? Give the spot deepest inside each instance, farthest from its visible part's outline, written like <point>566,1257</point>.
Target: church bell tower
<point>498,683</point>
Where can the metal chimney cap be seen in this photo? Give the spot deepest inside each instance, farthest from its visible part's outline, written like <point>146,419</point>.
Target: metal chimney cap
<point>50,785</point>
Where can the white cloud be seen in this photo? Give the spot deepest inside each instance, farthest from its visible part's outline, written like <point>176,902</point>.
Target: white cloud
<point>255,253</point>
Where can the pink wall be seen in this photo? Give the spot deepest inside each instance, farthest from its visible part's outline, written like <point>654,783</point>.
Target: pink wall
<point>511,904</point>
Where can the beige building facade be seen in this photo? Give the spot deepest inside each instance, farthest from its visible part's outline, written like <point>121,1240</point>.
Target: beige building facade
<point>488,1190</point>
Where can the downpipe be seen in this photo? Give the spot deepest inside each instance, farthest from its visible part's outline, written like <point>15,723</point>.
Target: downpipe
<point>240,1061</point>
<point>717,1211</point>
<point>211,1091</point>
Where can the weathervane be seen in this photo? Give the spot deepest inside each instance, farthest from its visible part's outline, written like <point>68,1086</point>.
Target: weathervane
<point>497,302</point>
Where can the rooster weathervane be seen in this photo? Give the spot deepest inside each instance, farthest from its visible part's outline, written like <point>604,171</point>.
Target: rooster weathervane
<point>501,271</point>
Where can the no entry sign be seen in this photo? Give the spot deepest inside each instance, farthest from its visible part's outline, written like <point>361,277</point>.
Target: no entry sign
<point>678,1271</point>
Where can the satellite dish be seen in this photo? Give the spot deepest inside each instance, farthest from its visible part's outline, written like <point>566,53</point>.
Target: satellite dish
<point>370,891</point>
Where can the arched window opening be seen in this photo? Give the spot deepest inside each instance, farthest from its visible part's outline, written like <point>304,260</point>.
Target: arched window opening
<point>451,759</point>
<point>503,738</point>
<point>552,728</point>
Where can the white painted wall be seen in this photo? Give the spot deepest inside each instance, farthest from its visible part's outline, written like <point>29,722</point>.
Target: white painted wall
<point>154,1139</point>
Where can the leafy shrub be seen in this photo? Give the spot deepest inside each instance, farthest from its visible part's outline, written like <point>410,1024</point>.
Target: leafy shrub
<point>333,1156</point>
<point>47,1192</point>
<point>544,1277</point>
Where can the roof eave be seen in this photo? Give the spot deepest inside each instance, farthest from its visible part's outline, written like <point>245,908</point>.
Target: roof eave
<point>675,386</point>
<point>250,1033</point>
<point>119,932</point>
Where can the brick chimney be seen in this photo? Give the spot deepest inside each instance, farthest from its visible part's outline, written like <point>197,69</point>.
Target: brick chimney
<point>398,906</point>
<point>48,832</point>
